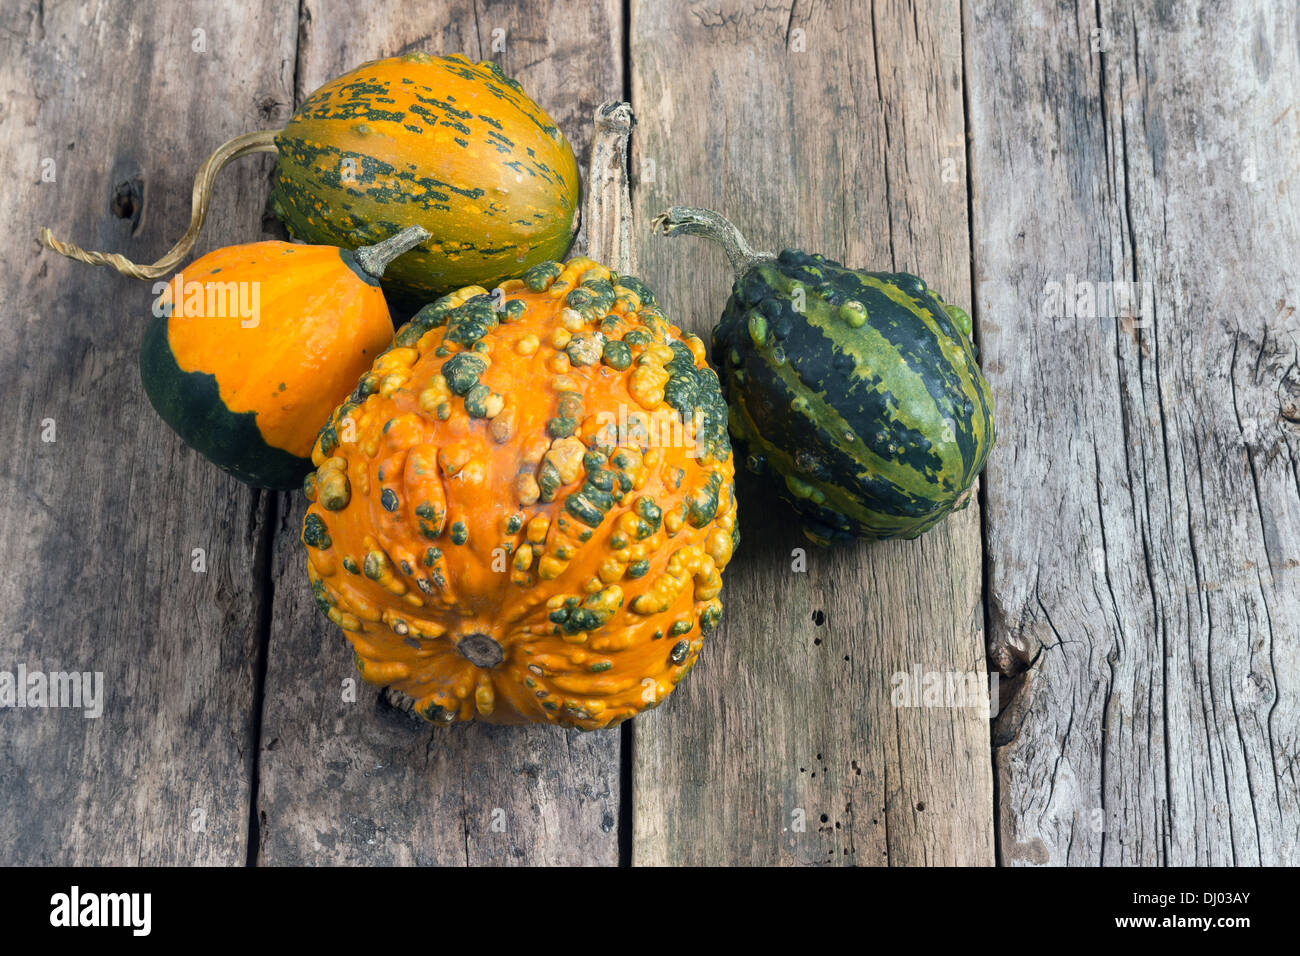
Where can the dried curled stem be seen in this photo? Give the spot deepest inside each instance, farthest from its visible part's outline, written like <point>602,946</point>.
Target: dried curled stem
<point>260,142</point>
<point>710,225</point>
<point>607,212</point>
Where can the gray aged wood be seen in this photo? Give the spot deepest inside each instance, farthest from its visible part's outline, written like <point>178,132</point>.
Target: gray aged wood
<point>825,128</point>
<point>1144,503</point>
<point>1141,507</point>
<point>97,528</point>
<point>363,782</point>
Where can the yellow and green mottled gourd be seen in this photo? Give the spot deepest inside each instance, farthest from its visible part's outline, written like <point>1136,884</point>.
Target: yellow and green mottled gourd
<point>455,147</point>
<point>858,394</point>
<point>440,142</point>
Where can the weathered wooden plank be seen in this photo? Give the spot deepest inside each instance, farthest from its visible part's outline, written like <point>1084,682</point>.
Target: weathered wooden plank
<point>362,782</point>
<point>98,527</point>
<point>829,127</point>
<point>1144,508</point>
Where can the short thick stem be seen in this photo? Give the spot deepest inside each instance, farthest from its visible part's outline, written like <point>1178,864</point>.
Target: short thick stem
<point>373,260</point>
<point>710,225</point>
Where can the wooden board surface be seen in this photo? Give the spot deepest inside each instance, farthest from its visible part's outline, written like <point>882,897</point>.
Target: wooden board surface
<point>98,527</point>
<point>1143,518</point>
<point>1139,519</point>
<point>360,782</point>
<point>813,128</point>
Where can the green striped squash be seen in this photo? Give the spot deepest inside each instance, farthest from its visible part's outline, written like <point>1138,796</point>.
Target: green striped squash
<point>858,393</point>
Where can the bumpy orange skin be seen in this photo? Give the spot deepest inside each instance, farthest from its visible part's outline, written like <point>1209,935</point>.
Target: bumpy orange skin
<point>524,552</point>
<point>318,325</point>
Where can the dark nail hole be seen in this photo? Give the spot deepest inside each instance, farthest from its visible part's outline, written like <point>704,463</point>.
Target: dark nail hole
<point>126,200</point>
<point>819,617</point>
<point>921,805</point>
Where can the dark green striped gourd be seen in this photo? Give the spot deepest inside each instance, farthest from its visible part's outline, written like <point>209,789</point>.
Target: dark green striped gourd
<point>858,393</point>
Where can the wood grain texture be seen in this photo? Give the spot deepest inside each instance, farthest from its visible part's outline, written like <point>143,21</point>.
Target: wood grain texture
<point>363,782</point>
<point>825,127</point>
<point>1143,508</point>
<point>97,528</point>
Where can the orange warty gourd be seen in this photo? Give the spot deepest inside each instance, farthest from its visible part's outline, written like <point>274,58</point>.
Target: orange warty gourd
<point>523,512</point>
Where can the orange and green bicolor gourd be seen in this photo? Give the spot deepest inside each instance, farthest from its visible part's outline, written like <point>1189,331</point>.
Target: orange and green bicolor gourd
<point>252,346</point>
<point>523,511</point>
